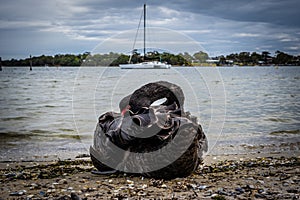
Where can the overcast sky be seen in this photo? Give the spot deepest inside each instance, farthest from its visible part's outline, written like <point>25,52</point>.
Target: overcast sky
<point>219,26</point>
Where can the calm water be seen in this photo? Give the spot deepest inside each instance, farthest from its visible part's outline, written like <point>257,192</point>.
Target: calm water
<point>51,113</point>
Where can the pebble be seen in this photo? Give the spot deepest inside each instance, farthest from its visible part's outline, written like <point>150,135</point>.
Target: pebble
<point>257,195</point>
<point>131,186</point>
<point>260,191</point>
<point>240,190</point>
<point>144,186</point>
<point>9,175</point>
<point>42,193</point>
<point>260,181</point>
<point>141,193</point>
<point>286,184</point>
<point>33,186</point>
<point>265,184</point>
<point>251,187</point>
<point>63,181</point>
<point>214,195</point>
<point>129,181</point>
<point>51,190</point>
<point>221,191</point>
<point>116,191</point>
<point>70,188</point>
<point>208,193</point>
<point>194,186</point>
<point>19,193</point>
<point>202,187</point>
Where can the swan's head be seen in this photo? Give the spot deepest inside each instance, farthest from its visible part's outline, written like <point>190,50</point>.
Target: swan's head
<point>150,93</point>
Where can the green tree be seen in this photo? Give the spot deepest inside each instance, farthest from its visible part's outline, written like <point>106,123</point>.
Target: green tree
<point>244,57</point>
<point>255,57</point>
<point>122,59</point>
<point>201,56</point>
<point>282,58</point>
<point>266,57</point>
<point>186,56</point>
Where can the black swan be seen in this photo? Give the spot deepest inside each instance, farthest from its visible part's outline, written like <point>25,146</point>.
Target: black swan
<point>158,141</point>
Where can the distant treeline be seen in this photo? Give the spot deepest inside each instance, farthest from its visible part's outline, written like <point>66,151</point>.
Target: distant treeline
<point>181,59</point>
<point>247,58</point>
<point>57,60</point>
<point>88,59</point>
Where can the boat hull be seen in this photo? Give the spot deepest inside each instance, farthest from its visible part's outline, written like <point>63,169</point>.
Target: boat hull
<point>146,65</point>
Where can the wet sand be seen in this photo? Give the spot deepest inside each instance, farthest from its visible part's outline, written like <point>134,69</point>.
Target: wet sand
<point>253,176</point>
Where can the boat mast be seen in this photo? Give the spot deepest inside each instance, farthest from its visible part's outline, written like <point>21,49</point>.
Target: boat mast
<point>0,64</point>
<point>144,31</point>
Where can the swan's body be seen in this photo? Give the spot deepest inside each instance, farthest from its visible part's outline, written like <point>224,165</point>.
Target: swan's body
<point>155,141</point>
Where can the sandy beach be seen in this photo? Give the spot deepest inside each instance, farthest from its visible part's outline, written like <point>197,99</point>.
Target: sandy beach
<point>254,176</point>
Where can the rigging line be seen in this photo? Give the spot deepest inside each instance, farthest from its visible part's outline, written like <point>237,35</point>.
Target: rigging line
<point>136,34</point>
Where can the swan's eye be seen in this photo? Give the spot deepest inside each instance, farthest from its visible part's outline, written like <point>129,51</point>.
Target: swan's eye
<point>159,102</point>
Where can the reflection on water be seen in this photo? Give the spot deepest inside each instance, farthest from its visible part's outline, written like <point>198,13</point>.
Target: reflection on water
<point>52,112</point>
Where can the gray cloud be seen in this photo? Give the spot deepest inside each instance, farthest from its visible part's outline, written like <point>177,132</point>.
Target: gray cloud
<point>268,11</point>
<point>220,26</point>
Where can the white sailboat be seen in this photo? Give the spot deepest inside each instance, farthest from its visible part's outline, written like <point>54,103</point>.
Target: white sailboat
<point>148,64</point>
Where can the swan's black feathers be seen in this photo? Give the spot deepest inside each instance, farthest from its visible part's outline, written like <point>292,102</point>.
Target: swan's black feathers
<point>142,128</point>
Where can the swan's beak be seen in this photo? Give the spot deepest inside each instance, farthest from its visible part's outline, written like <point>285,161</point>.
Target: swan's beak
<point>125,110</point>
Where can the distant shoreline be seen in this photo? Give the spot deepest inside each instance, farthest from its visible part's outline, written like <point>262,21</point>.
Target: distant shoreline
<point>180,59</point>
<point>174,66</point>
